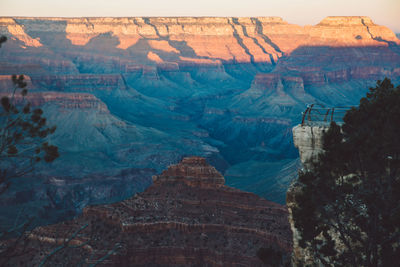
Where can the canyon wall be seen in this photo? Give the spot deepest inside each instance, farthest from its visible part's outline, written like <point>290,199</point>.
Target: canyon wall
<point>133,95</point>
<point>263,39</point>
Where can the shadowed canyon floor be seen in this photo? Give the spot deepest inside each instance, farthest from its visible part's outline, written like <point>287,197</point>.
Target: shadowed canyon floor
<point>188,217</point>
<point>131,96</point>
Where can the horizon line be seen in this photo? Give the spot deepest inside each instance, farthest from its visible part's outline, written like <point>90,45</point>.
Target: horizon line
<point>206,16</point>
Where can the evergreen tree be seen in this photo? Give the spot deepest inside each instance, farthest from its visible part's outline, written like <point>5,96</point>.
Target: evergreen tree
<point>2,40</point>
<point>348,205</point>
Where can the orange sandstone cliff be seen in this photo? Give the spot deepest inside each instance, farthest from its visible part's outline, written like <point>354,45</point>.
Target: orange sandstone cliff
<point>258,39</point>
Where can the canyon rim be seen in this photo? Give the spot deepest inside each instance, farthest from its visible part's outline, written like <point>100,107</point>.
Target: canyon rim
<point>131,96</point>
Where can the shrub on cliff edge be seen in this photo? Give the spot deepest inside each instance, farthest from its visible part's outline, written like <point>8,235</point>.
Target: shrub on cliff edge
<point>348,206</point>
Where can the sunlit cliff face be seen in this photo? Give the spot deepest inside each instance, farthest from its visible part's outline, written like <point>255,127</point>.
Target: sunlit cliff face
<point>263,39</point>
<point>18,31</point>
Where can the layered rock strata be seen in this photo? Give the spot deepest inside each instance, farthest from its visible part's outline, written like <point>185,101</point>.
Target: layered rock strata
<point>81,82</point>
<point>80,101</point>
<point>194,172</point>
<point>337,50</point>
<point>188,217</point>
<point>258,39</point>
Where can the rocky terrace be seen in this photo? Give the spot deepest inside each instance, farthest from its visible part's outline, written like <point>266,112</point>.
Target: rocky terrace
<point>188,217</point>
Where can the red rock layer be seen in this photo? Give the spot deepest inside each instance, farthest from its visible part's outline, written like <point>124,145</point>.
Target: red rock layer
<point>192,171</point>
<point>175,222</point>
<point>279,84</point>
<point>262,39</point>
<point>54,65</point>
<point>63,100</point>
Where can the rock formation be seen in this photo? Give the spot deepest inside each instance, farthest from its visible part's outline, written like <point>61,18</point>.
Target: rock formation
<point>308,140</point>
<point>263,39</point>
<point>194,172</point>
<point>188,217</point>
<point>140,93</point>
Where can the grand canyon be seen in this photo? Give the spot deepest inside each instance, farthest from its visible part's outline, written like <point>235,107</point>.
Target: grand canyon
<point>188,217</point>
<point>131,96</point>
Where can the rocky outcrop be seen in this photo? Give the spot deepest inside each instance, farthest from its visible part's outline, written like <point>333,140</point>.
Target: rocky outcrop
<point>9,25</point>
<point>354,31</point>
<point>186,218</point>
<point>193,171</point>
<point>267,80</point>
<point>279,84</point>
<point>308,140</point>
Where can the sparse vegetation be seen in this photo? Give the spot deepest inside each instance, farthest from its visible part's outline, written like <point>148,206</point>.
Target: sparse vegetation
<point>23,135</point>
<point>348,206</point>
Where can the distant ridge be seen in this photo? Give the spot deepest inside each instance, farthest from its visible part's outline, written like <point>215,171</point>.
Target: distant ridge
<point>242,39</point>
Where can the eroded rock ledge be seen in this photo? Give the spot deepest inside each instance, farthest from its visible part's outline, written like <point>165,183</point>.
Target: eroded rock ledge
<point>188,217</point>
<point>193,171</point>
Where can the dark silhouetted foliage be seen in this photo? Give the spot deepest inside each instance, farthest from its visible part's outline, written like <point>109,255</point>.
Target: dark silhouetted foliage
<point>272,257</point>
<point>23,134</point>
<point>348,208</point>
<point>23,143</point>
<point>3,39</point>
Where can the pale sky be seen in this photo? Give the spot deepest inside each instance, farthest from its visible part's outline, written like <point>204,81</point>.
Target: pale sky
<point>382,12</point>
